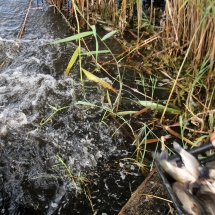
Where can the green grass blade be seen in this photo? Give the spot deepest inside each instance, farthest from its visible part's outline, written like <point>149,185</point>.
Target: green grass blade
<point>158,107</point>
<point>74,37</point>
<point>94,52</point>
<point>72,61</point>
<point>86,103</point>
<point>123,113</point>
<point>108,35</point>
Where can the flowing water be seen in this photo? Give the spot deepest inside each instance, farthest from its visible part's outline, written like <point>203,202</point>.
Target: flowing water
<point>34,159</point>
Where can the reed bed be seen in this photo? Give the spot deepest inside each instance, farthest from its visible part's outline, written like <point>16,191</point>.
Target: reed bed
<point>183,20</point>
<point>189,31</point>
<point>192,20</point>
<point>183,50</point>
<point>117,13</point>
<point>188,36</point>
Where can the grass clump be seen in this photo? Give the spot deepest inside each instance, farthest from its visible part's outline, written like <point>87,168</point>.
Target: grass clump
<point>193,37</point>
<point>181,51</point>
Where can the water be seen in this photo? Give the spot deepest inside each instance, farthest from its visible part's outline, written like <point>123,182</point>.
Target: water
<point>32,178</point>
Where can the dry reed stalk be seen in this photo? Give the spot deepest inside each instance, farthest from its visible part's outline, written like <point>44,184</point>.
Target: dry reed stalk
<point>107,10</point>
<point>122,17</point>
<point>139,13</point>
<point>25,20</point>
<point>190,27</point>
<point>102,7</point>
<point>59,3</point>
<point>88,14</point>
<point>112,10</point>
<point>131,10</point>
<point>210,73</point>
<point>182,20</point>
<point>151,9</point>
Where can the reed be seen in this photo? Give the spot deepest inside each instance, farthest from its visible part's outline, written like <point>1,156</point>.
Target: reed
<point>189,31</point>
<point>188,19</point>
<point>188,52</point>
<point>114,12</point>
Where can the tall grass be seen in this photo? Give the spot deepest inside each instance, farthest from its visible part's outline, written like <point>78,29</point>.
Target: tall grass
<point>183,18</point>
<point>114,12</point>
<point>190,32</point>
<point>188,37</point>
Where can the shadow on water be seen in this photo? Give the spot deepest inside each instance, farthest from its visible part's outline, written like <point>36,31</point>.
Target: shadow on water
<point>32,179</point>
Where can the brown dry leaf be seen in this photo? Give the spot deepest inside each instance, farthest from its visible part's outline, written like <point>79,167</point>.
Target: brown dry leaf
<point>98,80</point>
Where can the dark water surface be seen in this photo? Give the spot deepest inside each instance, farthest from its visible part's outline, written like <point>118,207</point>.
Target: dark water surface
<point>32,179</point>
